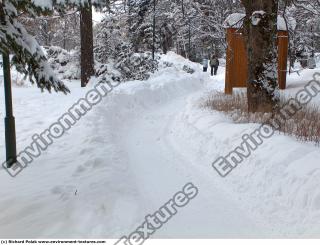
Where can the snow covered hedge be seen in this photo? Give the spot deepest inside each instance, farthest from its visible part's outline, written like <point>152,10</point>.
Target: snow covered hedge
<point>134,66</point>
<point>114,47</point>
<point>65,63</point>
<point>124,66</point>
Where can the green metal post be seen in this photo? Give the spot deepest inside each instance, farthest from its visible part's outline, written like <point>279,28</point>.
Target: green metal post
<point>10,129</point>
<point>189,34</point>
<point>154,30</point>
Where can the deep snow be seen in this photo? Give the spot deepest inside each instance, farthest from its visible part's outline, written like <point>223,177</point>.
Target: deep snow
<point>137,148</point>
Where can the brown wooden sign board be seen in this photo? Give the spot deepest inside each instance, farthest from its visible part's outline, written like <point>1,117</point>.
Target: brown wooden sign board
<point>236,63</point>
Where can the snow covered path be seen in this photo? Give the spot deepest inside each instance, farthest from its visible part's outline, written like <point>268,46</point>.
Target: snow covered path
<point>161,171</point>
<point>117,165</point>
<point>134,151</point>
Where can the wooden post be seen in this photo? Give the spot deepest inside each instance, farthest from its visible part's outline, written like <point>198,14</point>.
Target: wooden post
<point>283,45</point>
<point>229,62</point>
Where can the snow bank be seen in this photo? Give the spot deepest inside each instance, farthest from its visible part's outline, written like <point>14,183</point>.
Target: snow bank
<point>131,98</point>
<point>278,182</point>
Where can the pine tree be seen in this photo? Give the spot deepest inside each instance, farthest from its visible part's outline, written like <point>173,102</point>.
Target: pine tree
<point>139,30</point>
<point>28,56</point>
<point>109,34</point>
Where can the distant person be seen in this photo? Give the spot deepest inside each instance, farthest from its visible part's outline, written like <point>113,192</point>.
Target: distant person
<point>312,61</point>
<point>214,63</point>
<point>205,62</point>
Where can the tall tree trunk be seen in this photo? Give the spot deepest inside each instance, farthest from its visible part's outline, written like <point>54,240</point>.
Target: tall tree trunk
<point>86,33</point>
<point>182,8</point>
<point>260,32</point>
<point>154,30</point>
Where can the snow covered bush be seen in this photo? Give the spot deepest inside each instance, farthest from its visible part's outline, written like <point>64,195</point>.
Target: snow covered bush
<point>115,54</point>
<point>106,73</point>
<point>188,69</point>
<point>166,64</point>
<point>65,63</point>
<point>134,66</point>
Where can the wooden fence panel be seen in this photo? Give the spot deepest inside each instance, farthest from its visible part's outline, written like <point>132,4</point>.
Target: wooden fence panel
<point>236,65</point>
<point>283,44</point>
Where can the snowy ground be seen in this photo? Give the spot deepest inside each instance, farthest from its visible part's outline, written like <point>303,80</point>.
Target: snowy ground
<point>139,147</point>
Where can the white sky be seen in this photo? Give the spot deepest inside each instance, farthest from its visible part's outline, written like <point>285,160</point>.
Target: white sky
<point>96,16</point>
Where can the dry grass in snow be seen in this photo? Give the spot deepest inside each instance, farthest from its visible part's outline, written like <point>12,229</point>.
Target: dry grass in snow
<point>304,125</point>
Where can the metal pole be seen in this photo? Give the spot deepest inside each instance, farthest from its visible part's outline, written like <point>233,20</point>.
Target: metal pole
<point>189,39</point>
<point>154,30</point>
<point>10,129</point>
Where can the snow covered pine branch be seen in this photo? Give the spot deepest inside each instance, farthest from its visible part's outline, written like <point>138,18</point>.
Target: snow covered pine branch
<point>28,56</point>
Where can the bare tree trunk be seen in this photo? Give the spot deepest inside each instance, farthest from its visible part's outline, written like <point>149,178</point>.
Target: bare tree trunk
<point>154,30</point>
<point>86,33</point>
<point>260,32</point>
<point>182,8</point>
<point>64,40</point>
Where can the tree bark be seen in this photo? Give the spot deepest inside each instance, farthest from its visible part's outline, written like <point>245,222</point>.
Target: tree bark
<point>154,30</point>
<point>260,32</point>
<point>86,33</point>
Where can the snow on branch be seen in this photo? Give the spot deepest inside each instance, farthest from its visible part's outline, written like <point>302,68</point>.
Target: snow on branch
<point>235,20</point>
<point>256,17</point>
<point>49,4</point>
<point>28,56</point>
